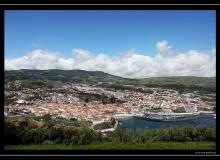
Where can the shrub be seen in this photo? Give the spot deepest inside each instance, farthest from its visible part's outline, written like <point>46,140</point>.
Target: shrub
<point>47,142</point>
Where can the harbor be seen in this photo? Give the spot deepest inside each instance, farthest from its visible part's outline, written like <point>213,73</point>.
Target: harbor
<point>135,123</point>
<point>163,116</point>
<point>172,116</point>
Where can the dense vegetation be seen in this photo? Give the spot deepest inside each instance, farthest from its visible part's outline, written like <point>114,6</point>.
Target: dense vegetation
<point>33,84</point>
<point>88,97</point>
<point>61,75</point>
<point>126,87</point>
<point>184,83</point>
<point>105,125</point>
<point>26,130</point>
<point>9,100</point>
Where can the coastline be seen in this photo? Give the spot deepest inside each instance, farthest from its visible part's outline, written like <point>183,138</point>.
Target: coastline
<point>135,123</point>
<point>166,117</point>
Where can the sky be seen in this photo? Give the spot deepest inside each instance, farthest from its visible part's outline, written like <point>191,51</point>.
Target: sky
<point>127,43</point>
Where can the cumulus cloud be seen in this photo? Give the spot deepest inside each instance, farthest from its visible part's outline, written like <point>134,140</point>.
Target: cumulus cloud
<point>163,47</point>
<point>129,64</point>
<point>80,54</point>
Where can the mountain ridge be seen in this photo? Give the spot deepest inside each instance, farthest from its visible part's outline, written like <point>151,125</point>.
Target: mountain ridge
<point>97,71</point>
<point>83,76</point>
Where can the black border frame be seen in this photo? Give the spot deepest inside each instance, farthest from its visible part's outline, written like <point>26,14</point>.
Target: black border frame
<point>106,7</point>
<point>109,2</point>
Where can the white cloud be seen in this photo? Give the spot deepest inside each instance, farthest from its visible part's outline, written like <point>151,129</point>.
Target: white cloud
<point>213,51</point>
<point>163,47</point>
<point>80,54</point>
<point>128,64</point>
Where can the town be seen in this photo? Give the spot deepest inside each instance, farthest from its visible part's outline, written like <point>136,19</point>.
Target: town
<point>65,102</point>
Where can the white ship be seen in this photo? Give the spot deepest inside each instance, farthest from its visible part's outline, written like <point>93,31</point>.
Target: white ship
<point>171,116</point>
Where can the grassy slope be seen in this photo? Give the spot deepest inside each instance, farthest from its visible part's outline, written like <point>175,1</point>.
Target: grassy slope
<point>96,76</point>
<point>60,75</point>
<point>120,146</point>
<point>30,121</point>
<point>185,80</point>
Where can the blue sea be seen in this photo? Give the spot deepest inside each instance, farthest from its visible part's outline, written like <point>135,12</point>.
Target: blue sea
<point>134,123</point>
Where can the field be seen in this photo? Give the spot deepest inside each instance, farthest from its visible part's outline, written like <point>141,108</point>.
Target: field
<point>120,146</point>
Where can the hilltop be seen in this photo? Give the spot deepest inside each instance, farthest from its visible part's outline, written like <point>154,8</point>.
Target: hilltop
<point>97,77</point>
<point>61,75</point>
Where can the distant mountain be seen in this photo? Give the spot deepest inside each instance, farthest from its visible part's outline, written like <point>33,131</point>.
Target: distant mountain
<point>185,80</point>
<point>61,75</point>
<point>190,82</point>
<point>82,76</point>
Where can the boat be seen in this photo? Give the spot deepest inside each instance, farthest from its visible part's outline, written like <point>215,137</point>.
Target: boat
<point>171,116</point>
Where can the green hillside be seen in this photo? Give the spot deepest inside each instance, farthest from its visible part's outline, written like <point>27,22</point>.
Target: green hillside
<point>189,82</point>
<point>61,75</point>
<point>185,80</point>
<point>95,77</point>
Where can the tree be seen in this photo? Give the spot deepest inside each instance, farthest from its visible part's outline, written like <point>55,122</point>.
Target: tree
<point>87,100</point>
<point>37,135</point>
<point>113,121</point>
<point>119,134</point>
<point>214,109</point>
<point>86,136</point>
<point>67,134</point>
<point>11,133</point>
<point>46,117</point>
<point>74,139</point>
<point>190,133</point>
<point>112,99</point>
<point>210,134</point>
<point>104,100</point>
<point>200,133</point>
<point>56,134</point>
<point>28,136</point>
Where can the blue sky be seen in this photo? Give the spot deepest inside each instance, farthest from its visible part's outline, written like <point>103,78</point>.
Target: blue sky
<point>127,43</point>
<point>109,32</point>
